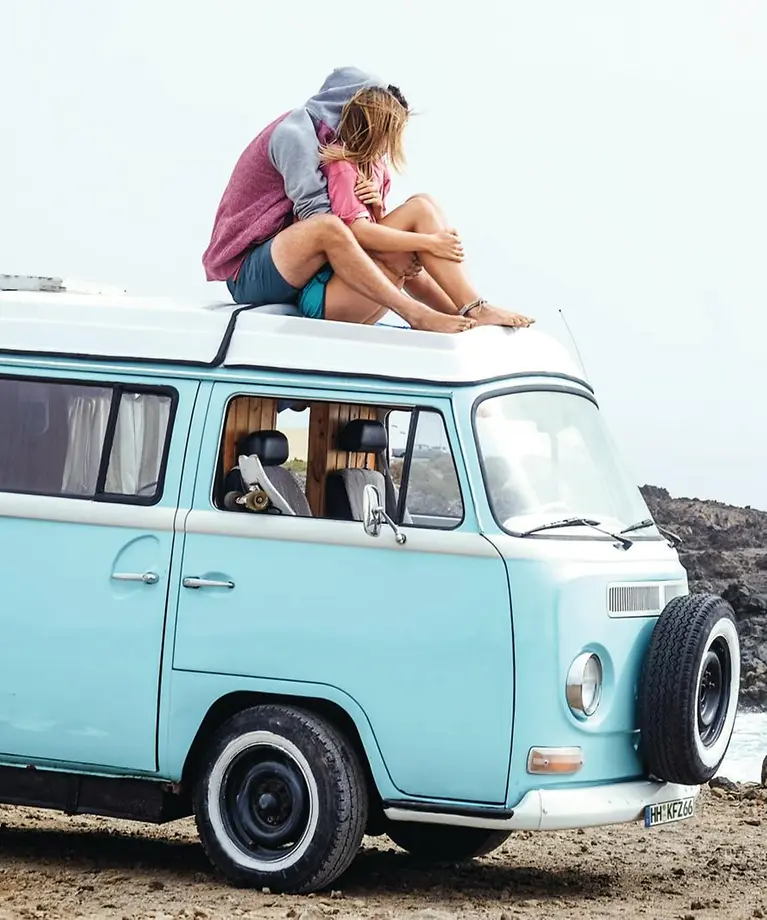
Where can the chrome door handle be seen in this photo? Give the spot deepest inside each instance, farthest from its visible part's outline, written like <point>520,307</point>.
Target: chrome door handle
<point>206,583</point>
<point>149,578</point>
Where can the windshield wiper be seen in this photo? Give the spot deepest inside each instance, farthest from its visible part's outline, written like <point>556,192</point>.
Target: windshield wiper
<point>583,522</point>
<point>673,539</point>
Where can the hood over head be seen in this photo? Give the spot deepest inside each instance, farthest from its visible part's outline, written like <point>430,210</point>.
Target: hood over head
<point>339,87</point>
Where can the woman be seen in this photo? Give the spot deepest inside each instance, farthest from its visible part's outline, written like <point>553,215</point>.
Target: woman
<point>413,244</point>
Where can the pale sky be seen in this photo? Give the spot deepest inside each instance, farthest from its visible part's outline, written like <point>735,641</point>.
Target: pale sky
<point>602,157</point>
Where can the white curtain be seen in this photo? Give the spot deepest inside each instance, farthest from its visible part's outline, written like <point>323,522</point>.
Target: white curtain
<point>88,417</point>
<point>136,457</point>
<point>134,466</point>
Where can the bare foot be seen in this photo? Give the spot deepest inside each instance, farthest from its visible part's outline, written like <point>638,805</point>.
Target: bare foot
<point>432,321</point>
<point>488,315</point>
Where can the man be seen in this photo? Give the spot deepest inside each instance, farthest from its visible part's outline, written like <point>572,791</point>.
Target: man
<point>274,230</point>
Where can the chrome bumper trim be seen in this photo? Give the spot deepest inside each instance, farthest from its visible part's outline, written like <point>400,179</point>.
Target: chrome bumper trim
<point>560,809</point>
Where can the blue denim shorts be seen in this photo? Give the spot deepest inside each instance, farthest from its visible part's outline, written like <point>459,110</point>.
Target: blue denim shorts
<point>259,282</point>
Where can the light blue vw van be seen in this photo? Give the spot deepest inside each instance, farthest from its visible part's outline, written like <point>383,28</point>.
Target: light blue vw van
<point>310,581</point>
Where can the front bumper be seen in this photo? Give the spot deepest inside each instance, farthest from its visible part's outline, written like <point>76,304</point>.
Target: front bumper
<point>560,809</point>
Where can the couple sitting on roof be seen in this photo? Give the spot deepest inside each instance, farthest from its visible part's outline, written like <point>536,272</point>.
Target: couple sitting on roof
<point>303,220</point>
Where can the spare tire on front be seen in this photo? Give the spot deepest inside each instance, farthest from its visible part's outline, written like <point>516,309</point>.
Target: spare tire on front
<point>688,695</point>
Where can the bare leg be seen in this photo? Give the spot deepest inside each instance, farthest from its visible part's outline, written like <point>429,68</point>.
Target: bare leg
<point>435,205</point>
<point>344,305</point>
<point>424,288</point>
<point>418,282</point>
<point>301,250</point>
<point>420,215</point>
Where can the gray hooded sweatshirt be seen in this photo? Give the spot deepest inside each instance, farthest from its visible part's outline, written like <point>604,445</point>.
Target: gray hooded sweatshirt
<point>278,179</point>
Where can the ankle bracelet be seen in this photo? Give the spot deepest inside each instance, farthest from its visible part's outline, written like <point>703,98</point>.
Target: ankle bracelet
<point>470,306</point>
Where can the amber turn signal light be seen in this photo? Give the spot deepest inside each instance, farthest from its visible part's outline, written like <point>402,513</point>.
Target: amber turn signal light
<point>554,760</point>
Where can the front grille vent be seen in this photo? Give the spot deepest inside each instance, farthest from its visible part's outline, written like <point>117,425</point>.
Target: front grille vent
<point>643,599</point>
<point>633,600</point>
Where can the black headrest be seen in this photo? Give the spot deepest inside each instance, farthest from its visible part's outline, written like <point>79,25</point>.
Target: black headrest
<point>293,404</point>
<point>363,436</point>
<point>271,447</point>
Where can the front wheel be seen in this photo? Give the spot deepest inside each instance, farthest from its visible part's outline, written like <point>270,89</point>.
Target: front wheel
<point>441,843</point>
<point>688,697</point>
<point>281,800</point>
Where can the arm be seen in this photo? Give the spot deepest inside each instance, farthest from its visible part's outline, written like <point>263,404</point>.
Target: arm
<point>342,182</point>
<point>385,239</point>
<point>295,154</point>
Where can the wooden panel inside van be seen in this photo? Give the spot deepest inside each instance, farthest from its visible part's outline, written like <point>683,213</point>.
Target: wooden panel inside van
<point>246,414</point>
<point>327,419</point>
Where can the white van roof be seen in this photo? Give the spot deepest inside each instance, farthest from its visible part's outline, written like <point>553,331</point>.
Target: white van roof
<point>140,329</point>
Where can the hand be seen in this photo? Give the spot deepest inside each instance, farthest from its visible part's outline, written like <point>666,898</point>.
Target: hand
<point>413,268</point>
<point>368,194</point>
<point>405,265</point>
<point>446,245</point>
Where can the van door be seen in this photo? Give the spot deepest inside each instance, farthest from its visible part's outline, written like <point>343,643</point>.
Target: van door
<point>90,471</point>
<point>419,635</point>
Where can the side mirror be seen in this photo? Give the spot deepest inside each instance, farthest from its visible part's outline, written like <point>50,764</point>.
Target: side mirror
<point>371,511</point>
<point>374,515</point>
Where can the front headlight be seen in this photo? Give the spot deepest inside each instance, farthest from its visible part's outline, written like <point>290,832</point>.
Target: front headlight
<point>584,684</point>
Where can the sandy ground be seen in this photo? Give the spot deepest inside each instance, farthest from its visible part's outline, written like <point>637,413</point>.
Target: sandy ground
<point>713,866</point>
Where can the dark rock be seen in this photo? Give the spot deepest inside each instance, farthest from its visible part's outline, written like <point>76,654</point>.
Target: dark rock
<point>721,782</point>
<point>724,550</point>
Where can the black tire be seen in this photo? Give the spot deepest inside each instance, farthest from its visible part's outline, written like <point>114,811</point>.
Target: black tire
<point>443,843</point>
<point>688,696</point>
<point>281,800</point>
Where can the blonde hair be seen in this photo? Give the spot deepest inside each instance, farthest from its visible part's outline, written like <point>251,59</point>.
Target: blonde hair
<point>371,128</point>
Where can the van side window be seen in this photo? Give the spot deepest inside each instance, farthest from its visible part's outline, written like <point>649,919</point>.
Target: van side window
<point>423,470</point>
<point>315,459</point>
<point>140,436</point>
<point>82,441</point>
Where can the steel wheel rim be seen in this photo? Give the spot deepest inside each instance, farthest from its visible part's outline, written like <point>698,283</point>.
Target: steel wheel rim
<point>713,692</point>
<point>265,803</point>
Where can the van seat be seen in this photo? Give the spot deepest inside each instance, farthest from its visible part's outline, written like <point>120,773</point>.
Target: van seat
<point>272,449</point>
<point>344,488</point>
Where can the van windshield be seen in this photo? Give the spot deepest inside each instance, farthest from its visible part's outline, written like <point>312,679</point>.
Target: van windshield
<point>547,456</point>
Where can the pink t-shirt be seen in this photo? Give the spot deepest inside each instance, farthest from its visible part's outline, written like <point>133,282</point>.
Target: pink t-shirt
<point>342,177</point>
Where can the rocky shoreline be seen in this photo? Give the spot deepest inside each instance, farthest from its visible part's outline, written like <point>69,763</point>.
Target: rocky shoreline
<point>724,550</point>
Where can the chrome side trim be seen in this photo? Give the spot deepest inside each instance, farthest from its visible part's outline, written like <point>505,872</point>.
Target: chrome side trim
<point>335,533</point>
<point>85,511</point>
<point>563,809</point>
<point>494,812</point>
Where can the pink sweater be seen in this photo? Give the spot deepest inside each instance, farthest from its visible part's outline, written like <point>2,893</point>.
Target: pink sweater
<point>342,179</point>
<point>278,178</point>
<point>253,208</point>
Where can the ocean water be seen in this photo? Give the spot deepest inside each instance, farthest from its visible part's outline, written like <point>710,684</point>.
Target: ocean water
<point>748,748</point>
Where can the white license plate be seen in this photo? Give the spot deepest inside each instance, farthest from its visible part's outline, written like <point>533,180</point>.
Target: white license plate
<point>668,812</point>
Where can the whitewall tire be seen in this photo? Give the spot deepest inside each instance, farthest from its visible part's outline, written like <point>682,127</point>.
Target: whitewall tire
<point>281,801</point>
